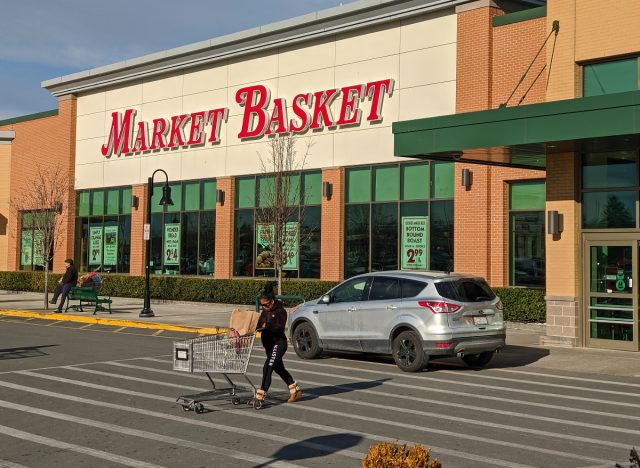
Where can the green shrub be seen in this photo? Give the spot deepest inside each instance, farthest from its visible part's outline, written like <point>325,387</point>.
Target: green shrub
<point>520,304</point>
<point>523,305</point>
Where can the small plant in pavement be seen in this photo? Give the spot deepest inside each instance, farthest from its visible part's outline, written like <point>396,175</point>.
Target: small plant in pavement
<point>394,455</point>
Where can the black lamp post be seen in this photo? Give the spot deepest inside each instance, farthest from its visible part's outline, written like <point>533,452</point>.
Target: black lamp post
<point>164,201</point>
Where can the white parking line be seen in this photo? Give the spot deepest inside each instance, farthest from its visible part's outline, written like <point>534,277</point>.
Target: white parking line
<point>418,428</point>
<point>146,435</point>
<point>58,444</point>
<point>566,377</point>
<point>272,418</point>
<point>8,464</point>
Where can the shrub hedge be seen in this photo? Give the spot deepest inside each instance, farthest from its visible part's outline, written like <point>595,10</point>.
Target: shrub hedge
<point>520,304</point>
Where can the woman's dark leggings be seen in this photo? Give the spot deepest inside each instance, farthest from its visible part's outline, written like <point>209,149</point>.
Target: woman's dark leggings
<point>275,352</point>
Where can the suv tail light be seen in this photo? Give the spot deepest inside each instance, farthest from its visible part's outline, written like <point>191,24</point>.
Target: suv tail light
<point>499,305</point>
<point>440,307</point>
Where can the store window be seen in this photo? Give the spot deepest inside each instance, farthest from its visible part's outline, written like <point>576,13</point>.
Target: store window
<point>183,234</point>
<point>609,189</point>
<point>399,216</point>
<point>526,246</point>
<point>252,252</point>
<point>103,230</point>
<point>615,76</point>
<point>32,240</point>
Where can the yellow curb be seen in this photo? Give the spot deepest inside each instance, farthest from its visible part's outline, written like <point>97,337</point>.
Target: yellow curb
<point>113,322</point>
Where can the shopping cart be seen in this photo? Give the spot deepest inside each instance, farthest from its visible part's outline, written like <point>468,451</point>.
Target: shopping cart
<point>225,354</point>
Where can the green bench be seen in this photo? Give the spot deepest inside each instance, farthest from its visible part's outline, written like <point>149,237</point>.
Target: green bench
<point>87,297</point>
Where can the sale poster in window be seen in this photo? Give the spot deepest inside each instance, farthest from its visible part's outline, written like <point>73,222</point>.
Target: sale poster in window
<point>172,244</point>
<point>38,248</point>
<point>265,235</point>
<point>95,246</point>
<point>26,251</point>
<point>291,239</point>
<point>414,242</point>
<point>110,245</point>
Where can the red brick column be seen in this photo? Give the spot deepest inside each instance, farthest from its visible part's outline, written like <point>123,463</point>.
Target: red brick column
<point>138,218</point>
<point>225,229</point>
<point>332,227</point>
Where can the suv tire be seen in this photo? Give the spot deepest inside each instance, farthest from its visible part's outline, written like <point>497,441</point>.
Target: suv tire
<point>478,360</point>
<point>408,352</point>
<point>305,341</point>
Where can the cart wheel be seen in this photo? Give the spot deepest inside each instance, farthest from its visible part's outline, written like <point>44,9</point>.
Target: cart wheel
<point>199,408</point>
<point>186,408</point>
<point>257,404</point>
<point>235,401</point>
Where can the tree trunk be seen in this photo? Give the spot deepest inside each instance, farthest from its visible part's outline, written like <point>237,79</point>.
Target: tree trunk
<point>279,280</point>
<point>46,285</point>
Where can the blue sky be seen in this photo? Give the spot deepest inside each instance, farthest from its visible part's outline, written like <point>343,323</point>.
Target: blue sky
<point>42,39</point>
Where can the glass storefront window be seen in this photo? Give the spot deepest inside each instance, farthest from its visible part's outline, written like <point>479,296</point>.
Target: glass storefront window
<point>252,252</point>
<point>31,242</point>
<point>103,230</point>
<point>374,228</point>
<point>527,239</point>
<point>615,76</point>
<point>607,210</point>
<point>610,170</point>
<point>183,238</point>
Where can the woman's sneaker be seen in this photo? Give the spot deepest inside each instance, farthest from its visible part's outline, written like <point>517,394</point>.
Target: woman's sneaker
<point>295,392</point>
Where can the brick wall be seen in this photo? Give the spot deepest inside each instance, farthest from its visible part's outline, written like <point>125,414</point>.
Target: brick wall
<point>332,229</point>
<point>5,172</point>
<point>138,218</point>
<point>225,229</point>
<point>46,142</point>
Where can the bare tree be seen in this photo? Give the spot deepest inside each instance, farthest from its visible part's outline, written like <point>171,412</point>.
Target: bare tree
<point>42,201</point>
<point>281,209</point>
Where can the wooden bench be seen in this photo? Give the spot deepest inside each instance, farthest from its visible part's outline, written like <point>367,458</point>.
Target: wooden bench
<point>87,297</point>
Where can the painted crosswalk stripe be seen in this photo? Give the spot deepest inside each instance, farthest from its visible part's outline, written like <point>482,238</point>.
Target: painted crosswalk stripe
<point>191,421</point>
<point>8,464</point>
<point>58,444</point>
<point>567,377</point>
<point>146,435</point>
<point>269,417</point>
<point>420,428</point>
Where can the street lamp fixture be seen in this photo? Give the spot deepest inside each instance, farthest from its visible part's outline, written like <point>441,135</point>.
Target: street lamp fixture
<point>164,201</point>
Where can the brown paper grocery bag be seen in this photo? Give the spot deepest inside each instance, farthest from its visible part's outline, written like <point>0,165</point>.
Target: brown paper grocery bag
<point>244,321</point>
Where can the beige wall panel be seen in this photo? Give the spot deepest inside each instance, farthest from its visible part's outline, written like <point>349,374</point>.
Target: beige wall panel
<point>313,56</point>
<point>160,109</point>
<point>166,87</point>
<point>124,96</point>
<point>108,119</point>
<point>370,70</point>
<point>123,171</point>
<point>206,79</point>
<point>253,68</point>
<point>310,82</point>
<point>369,146</point>
<point>235,109</point>
<point>427,66</point>
<point>89,176</point>
<point>209,162</point>
<point>428,31</point>
<point>368,44</point>
<point>204,101</point>
<point>427,101</point>
<point>245,159</point>
<point>606,29</point>
<point>169,161</point>
<point>90,126</point>
<point>320,154</point>
<point>88,151</point>
<point>91,103</point>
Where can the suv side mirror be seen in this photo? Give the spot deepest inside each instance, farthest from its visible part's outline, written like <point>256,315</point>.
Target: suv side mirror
<point>326,299</point>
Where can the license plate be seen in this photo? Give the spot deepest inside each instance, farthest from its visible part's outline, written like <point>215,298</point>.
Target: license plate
<point>480,320</point>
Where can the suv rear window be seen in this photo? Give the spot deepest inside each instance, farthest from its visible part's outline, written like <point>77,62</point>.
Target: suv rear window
<point>465,290</point>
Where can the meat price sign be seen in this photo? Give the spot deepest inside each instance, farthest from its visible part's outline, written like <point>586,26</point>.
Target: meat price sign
<point>414,242</point>
<point>261,115</point>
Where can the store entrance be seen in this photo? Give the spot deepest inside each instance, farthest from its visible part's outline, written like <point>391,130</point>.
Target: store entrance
<point>611,297</point>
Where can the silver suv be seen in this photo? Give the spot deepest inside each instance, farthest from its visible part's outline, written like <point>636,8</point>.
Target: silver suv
<point>411,315</point>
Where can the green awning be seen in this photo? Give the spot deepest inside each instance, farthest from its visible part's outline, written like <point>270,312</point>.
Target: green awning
<point>519,136</point>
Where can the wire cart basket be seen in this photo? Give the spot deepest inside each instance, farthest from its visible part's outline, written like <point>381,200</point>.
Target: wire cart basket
<point>225,354</point>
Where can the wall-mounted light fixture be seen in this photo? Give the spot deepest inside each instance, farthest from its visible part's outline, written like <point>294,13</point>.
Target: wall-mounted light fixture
<point>135,201</point>
<point>220,196</point>
<point>554,223</point>
<point>57,207</point>
<point>466,178</point>
<point>327,190</point>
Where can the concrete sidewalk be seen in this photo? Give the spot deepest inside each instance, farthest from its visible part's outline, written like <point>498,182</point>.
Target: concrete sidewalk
<point>523,340</point>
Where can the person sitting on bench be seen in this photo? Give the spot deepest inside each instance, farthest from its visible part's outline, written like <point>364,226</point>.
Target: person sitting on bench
<point>68,280</point>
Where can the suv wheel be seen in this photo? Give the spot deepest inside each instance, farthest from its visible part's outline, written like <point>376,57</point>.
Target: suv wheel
<point>478,360</point>
<point>408,353</point>
<point>305,341</point>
